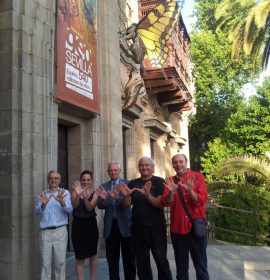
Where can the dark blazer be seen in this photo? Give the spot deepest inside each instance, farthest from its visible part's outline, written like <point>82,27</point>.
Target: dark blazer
<point>123,215</point>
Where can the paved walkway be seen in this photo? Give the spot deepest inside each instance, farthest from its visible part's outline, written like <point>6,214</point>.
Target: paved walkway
<point>225,262</point>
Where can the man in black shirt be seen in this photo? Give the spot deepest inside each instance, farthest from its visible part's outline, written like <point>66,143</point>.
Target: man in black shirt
<point>149,226</point>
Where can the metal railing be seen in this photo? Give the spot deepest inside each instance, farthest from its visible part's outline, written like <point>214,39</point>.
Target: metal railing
<point>213,229</point>
<point>253,229</point>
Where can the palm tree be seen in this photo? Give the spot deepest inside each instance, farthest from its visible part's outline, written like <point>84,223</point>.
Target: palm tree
<point>246,165</point>
<point>248,24</point>
<point>250,194</point>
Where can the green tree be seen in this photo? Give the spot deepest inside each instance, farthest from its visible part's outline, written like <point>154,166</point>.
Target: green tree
<point>205,14</point>
<point>247,131</point>
<point>218,151</point>
<point>225,124</point>
<point>249,127</point>
<point>217,87</point>
<point>249,31</point>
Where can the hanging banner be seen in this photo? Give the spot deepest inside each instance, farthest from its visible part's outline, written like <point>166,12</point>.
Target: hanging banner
<point>77,72</point>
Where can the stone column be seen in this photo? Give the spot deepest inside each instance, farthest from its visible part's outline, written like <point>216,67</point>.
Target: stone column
<point>28,129</point>
<point>110,119</point>
<point>109,82</point>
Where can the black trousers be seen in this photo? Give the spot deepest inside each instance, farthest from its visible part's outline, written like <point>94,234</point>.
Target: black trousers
<point>113,244</point>
<point>185,244</point>
<point>146,239</point>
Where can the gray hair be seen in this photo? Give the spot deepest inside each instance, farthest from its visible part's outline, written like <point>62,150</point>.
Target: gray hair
<point>147,158</point>
<point>114,163</point>
<point>53,171</point>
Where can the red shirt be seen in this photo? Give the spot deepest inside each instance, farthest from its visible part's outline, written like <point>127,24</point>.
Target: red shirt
<point>180,223</point>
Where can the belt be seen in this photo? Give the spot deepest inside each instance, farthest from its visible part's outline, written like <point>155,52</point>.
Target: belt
<point>51,228</point>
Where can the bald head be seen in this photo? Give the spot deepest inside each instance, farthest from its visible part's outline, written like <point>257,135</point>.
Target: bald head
<point>179,163</point>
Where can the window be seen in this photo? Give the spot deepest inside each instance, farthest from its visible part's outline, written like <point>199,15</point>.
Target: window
<point>152,148</point>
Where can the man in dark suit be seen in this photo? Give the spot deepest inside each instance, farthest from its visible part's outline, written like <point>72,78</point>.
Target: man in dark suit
<point>117,225</point>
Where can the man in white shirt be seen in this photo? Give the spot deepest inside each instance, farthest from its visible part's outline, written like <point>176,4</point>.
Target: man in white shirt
<point>53,206</point>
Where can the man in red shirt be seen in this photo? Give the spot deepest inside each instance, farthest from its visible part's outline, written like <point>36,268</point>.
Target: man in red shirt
<point>193,187</point>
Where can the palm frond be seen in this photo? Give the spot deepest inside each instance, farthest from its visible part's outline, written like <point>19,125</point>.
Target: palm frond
<point>266,50</point>
<point>235,37</point>
<point>256,52</point>
<point>245,165</point>
<point>262,11</point>
<point>222,9</point>
<point>250,32</point>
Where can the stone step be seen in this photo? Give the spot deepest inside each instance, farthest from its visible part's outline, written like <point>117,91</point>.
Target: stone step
<point>225,262</point>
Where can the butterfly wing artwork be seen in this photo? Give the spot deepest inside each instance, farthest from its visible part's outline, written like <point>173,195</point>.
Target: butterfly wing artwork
<point>156,28</point>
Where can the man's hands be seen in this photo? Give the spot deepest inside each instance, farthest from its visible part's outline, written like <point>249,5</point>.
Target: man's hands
<point>126,191</point>
<point>44,200</point>
<point>145,190</point>
<point>114,194</point>
<point>189,188</point>
<point>171,185</point>
<point>101,192</point>
<point>60,198</point>
<point>189,184</point>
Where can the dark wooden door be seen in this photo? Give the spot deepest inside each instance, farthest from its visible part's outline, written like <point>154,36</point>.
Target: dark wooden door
<point>62,163</point>
<point>124,132</point>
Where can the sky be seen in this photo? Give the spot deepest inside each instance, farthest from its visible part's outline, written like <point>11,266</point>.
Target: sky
<point>186,14</point>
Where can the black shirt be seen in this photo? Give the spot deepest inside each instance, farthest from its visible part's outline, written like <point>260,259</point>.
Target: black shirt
<point>143,212</point>
<point>81,212</point>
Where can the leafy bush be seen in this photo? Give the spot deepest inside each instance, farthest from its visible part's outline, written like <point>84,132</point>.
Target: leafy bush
<point>247,197</point>
<point>218,150</point>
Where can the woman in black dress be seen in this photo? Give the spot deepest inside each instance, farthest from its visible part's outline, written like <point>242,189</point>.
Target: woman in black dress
<point>84,225</point>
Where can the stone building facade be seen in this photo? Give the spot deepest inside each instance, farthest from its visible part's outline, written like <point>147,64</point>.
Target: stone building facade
<point>39,133</point>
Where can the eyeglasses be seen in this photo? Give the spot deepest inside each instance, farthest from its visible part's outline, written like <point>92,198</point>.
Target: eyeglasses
<point>54,178</point>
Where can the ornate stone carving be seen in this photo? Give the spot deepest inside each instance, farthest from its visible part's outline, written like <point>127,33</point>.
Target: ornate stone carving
<point>132,56</point>
<point>133,88</point>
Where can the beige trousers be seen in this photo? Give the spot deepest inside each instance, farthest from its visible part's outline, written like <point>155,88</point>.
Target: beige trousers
<point>53,243</point>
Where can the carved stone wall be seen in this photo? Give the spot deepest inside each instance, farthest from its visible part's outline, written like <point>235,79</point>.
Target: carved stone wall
<point>159,133</point>
<point>28,128</point>
<point>30,117</point>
